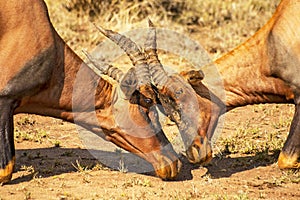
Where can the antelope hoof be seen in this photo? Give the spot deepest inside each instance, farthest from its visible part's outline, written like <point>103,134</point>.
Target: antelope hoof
<point>6,172</point>
<point>167,169</point>
<point>288,162</point>
<point>199,152</point>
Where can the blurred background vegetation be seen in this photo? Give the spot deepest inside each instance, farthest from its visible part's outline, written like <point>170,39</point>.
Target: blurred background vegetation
<point>217,25</point>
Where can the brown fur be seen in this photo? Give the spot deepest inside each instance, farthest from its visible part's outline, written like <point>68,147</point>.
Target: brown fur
<point>25,27</point>
<point>264,69</point>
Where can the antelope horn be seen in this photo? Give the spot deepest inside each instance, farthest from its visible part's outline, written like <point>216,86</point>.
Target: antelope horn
<point>159,75</point>
<point>136,56</point>
<point>101,68</point>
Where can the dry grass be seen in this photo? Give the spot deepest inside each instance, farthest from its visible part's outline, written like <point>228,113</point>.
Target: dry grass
<point>223,23</point>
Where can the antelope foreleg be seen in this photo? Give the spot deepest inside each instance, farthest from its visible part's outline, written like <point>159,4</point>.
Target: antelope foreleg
<point>7,149</point>
<point>288,158</point>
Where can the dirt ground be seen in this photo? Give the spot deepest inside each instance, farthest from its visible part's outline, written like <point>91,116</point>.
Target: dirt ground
<point>52,162</point>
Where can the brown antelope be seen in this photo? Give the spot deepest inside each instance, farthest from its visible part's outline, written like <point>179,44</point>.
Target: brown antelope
<point>179,102</point>
<point>264,69</point>
<point>40,75</point>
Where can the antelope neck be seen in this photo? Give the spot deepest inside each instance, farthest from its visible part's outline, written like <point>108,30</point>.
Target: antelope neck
<point>247,78</point>
<point>71,82</point>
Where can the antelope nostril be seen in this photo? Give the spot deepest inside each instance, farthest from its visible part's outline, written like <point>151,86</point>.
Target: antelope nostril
<point>201,140</point>
<point>196,146</point>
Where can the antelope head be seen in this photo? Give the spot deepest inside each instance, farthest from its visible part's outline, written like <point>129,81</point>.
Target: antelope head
<point>179,102</point>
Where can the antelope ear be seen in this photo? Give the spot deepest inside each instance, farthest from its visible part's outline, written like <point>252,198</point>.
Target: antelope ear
<point>129,83</point>
<point>193,76</point>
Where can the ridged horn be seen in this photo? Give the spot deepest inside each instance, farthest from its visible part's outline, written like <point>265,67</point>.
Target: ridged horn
<point>136,56</point>
<point>101,68</point>
<point>159,75</point>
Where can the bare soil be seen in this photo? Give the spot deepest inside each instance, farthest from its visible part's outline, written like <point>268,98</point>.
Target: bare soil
<point>57,166</point>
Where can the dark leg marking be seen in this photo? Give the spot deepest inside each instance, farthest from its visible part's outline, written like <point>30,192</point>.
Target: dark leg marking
<point>7,148</point>
<point>32,77</point>
<point>288,158</point>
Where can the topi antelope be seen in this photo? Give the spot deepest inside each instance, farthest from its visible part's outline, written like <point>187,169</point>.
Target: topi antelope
<point>264,69</point>
<point>45,80</point>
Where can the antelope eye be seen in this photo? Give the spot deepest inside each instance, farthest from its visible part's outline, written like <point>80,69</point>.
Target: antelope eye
<point>180,91</point>
<point>147,100</point>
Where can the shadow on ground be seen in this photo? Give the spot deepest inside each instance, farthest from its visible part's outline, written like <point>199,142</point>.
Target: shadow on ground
<point>48,162</point>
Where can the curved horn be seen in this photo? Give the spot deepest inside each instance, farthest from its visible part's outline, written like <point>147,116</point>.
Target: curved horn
<point>136,56</point>
<point>101,68</point>
<point>159,75</point>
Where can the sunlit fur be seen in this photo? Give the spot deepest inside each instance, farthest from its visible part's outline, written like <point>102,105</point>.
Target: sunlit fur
<point>264,69</point>
<point>43,81</point>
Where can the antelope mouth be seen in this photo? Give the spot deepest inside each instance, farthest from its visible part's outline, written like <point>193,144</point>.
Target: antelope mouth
<point>167,167</point>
